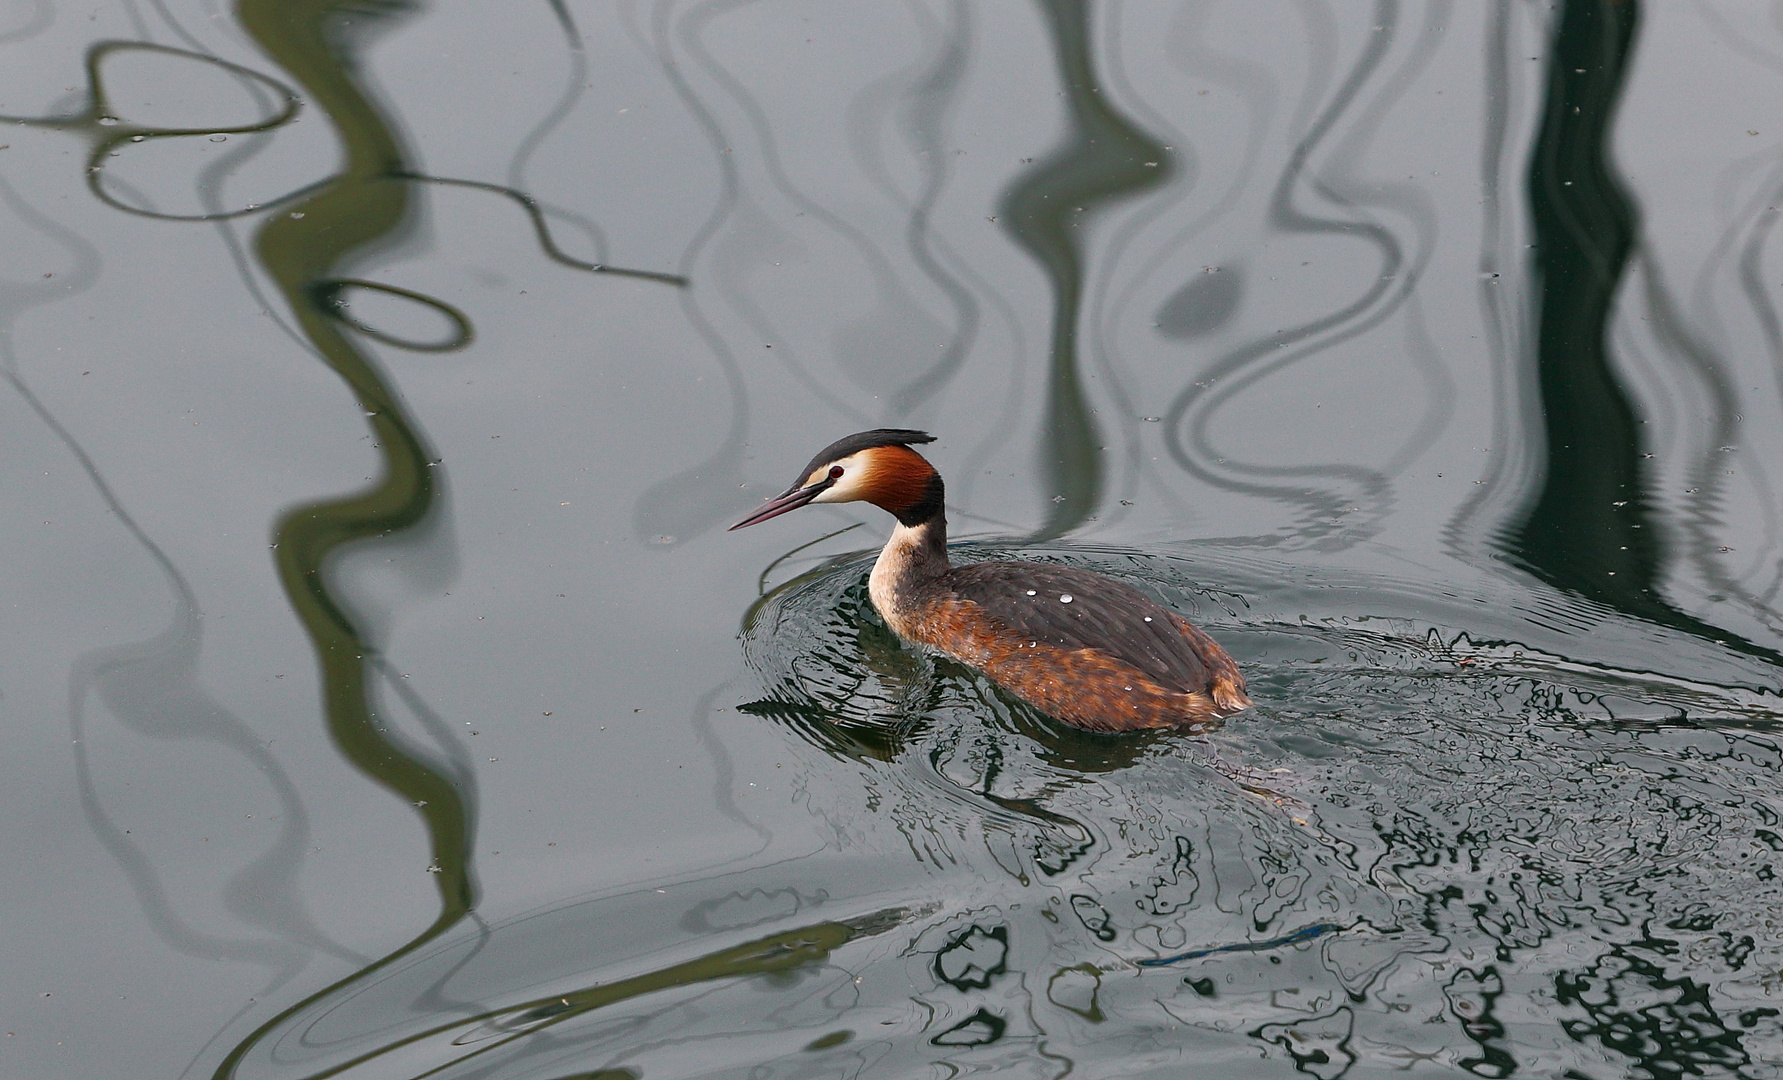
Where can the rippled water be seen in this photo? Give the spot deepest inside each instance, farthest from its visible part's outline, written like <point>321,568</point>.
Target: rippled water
<point>383,698</point>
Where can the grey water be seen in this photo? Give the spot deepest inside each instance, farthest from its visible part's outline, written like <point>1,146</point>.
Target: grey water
<point>383,697</point>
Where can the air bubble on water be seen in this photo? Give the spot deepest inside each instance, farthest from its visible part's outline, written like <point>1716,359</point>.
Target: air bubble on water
<point>108,121</point>
<point>219,138</point>
<point>136,138</point>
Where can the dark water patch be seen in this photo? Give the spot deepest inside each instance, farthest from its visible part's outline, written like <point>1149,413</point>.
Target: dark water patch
<point>1203,305</point>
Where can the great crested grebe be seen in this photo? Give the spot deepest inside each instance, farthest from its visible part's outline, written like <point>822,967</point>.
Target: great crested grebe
<point>1080,647</point>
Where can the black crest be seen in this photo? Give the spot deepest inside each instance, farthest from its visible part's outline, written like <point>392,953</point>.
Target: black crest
<point>864,440</point>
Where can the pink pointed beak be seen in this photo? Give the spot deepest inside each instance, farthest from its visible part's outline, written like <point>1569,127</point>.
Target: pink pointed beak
<point>784,504</point>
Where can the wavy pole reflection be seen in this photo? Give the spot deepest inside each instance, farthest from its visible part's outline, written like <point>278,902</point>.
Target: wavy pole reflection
<point>350,212</point>
<point>105,131</point>
<point>1207,301</point>
<point>921,99</point>
<point>342,216</point>
<point>1509,470</point>
<point>1590,528</point>
<point>152,688</point>
<point>886,350</point>
<point>556,993</point>
<point>1327,202</point>
<point>1103,157</point>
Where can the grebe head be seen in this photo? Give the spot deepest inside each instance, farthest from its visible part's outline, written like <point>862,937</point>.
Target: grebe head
<point>875,466</point>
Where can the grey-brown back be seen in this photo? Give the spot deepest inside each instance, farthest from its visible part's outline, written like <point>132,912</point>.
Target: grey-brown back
<point>1102,613</point>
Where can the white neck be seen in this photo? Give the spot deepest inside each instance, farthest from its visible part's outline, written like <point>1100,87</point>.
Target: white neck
<point>915,556</point>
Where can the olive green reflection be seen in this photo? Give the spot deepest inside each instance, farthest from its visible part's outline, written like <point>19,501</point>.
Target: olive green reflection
<point>1590,529</point>
<point>362,206</point>
<point>775,954</point>
<point>358,208</point>
<point>1102,158</point>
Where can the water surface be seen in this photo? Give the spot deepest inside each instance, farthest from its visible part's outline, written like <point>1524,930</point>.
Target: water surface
<point>384,697</point>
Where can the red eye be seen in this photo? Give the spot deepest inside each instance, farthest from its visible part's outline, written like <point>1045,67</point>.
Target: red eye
<point>835,471</point>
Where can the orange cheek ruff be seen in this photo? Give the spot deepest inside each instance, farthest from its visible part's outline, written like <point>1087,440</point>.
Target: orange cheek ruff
<point>1086,688</point>
<point>896,477</point>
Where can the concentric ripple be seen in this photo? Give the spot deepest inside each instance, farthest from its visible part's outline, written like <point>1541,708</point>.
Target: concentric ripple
<point>1445,838</point>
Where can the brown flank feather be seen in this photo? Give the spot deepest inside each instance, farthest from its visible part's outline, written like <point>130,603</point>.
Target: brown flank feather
<point>1087,688</point>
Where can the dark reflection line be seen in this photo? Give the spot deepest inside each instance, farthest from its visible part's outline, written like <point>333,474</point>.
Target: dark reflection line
<point>645,517</point>
<point>105,131</point>
<point>1765,311</point>
<point>761,581</point>
<point>210,194</point>
<point>457,762</point>
<point>1749,230</point>
<point>352,212</point>
<point>327,295</point>
<point>543,231</point>
<point>1254,86</point>
<point>1305,933</point>
<point>1014,815</point>
<point>1590,528</point>
<point>926,104</point>
<point>1192,412</point>
<point>941,262</point>
<point>137,22</point>
<point>885,277</point>
<point>1707,477</point>
<point>173,24</point>
<point>691,30</point>
<point>575,82</point>
<point>1102,157</point>
<point>163,670</point>
<point>1104,350</point>
<point>1505,322</point>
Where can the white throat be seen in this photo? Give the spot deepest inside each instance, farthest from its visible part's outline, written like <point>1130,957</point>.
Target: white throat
<point>904,564</point>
